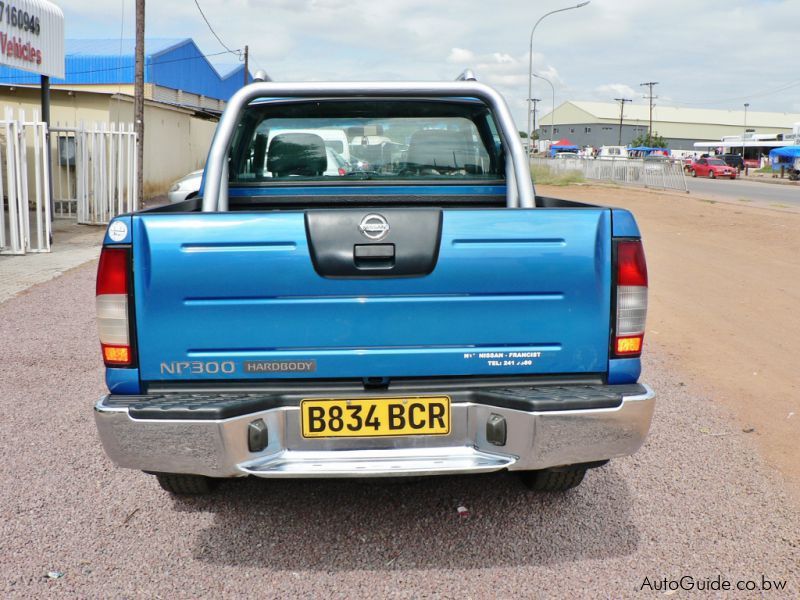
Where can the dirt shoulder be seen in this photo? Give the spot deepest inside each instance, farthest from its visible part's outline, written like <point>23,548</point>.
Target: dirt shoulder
<point>725,303</point>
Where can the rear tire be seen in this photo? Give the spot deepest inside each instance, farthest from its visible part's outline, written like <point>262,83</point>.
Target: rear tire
<point>693,172</point>
<point>550,480</point>
<point>186,485</point>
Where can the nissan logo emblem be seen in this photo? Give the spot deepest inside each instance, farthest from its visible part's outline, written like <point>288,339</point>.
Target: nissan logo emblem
<point>374,227</point>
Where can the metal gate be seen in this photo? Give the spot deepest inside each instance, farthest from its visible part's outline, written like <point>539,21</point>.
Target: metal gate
<point>665,174</point>
<point>24,202</point>
<point>94,171</point>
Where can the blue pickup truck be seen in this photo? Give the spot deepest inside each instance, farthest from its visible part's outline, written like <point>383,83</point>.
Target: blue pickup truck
<point>367,285</point>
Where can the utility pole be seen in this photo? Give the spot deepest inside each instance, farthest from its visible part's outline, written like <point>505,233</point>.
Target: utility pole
<point>744,133</point>
<point>535,101</point>
<point>138,103</point>
<point>246,59</point>
<point>622,102</point>
<point>650,84</point>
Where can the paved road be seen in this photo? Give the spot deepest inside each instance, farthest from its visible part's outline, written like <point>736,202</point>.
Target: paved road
<point>766,194</point>
<point>695,501</point>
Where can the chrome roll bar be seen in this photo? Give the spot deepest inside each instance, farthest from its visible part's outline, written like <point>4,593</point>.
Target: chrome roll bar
<point>519,186</point>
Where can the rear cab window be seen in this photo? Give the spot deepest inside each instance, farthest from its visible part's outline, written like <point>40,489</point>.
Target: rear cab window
<point>337,142</point>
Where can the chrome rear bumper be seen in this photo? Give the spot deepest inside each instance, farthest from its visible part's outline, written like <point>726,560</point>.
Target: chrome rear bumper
<point>219,447</point>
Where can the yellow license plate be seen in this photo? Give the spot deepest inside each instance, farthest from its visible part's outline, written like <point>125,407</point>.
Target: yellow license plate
<point>374,417</point>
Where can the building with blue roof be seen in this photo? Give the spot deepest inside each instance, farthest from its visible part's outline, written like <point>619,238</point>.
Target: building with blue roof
<point>176,71</point>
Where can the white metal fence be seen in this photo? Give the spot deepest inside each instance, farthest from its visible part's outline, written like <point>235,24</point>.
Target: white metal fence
<point>94,171</point>
<point>24,197</point>
<point>663,174</point>
<point>93,178</point>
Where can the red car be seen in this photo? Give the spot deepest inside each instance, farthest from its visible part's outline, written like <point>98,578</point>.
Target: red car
<point>711,168</point>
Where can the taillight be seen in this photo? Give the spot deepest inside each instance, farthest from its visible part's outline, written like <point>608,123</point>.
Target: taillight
<point>112,307</point>
<point>631,299</point>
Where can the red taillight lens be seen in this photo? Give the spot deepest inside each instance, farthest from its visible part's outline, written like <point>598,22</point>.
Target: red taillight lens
<point>112,307</point>
<point>631,266</point>
<point>112,272</point>
<point>631,298</point>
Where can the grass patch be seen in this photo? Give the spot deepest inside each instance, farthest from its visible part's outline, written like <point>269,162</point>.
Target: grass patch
<point>544,176</point>
<point>744,199</point>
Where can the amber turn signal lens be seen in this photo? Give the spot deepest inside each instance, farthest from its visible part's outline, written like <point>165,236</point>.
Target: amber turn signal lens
<point>119,355</point>
<point>629,345</point>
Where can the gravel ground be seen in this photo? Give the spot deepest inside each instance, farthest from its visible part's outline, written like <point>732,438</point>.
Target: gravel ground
<point>696,500</point>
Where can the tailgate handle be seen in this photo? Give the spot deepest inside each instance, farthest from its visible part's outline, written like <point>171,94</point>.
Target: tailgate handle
<point>373,256</point>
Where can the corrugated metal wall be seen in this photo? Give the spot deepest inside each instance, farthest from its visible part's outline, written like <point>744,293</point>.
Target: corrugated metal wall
<point>169,63</point>
<point>185,68</point>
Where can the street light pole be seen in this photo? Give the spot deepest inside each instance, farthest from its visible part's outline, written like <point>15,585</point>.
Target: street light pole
<point>530,54</point>
<point>553,110</point>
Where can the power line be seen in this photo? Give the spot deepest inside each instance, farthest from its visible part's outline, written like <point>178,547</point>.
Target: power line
<point>214,33</point>
<point>783,88</point>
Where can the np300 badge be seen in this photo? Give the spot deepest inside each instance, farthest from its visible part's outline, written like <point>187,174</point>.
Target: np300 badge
<point>374,227</point>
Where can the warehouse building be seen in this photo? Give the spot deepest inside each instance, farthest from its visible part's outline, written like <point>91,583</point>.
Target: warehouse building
<point>598,123</point>
<point>175,72</point>
<point>184,95</point>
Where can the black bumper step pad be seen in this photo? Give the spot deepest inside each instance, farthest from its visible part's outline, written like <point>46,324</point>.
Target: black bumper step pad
<point>216,406</point>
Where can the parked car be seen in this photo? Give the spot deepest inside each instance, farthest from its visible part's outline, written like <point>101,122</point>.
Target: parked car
<point>733,160</point>
<point>436,318</point>
<point>711,168</point>
<point>337,165</point>
<point>186,185</point>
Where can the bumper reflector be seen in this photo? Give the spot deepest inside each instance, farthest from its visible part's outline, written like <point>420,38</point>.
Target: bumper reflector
<point>257,436</point>
<point>496,430</point>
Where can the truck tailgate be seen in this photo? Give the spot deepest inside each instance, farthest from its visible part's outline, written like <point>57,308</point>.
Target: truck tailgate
<point>236,296</point>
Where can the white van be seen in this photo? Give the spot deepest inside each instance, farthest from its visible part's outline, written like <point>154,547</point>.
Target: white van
<point>609,152</point>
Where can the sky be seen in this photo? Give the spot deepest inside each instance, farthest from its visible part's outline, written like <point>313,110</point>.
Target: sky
<point>703,54</point>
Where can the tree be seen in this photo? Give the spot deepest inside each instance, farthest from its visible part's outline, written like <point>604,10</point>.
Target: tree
<point>523,135</point>
<point>654,141</point>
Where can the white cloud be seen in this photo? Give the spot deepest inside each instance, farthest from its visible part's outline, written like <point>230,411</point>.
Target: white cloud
<point>615,90</point>
<point>607,43</point>
<point>551,73</point>
<point>460,56</point>
<point>502,57</point>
